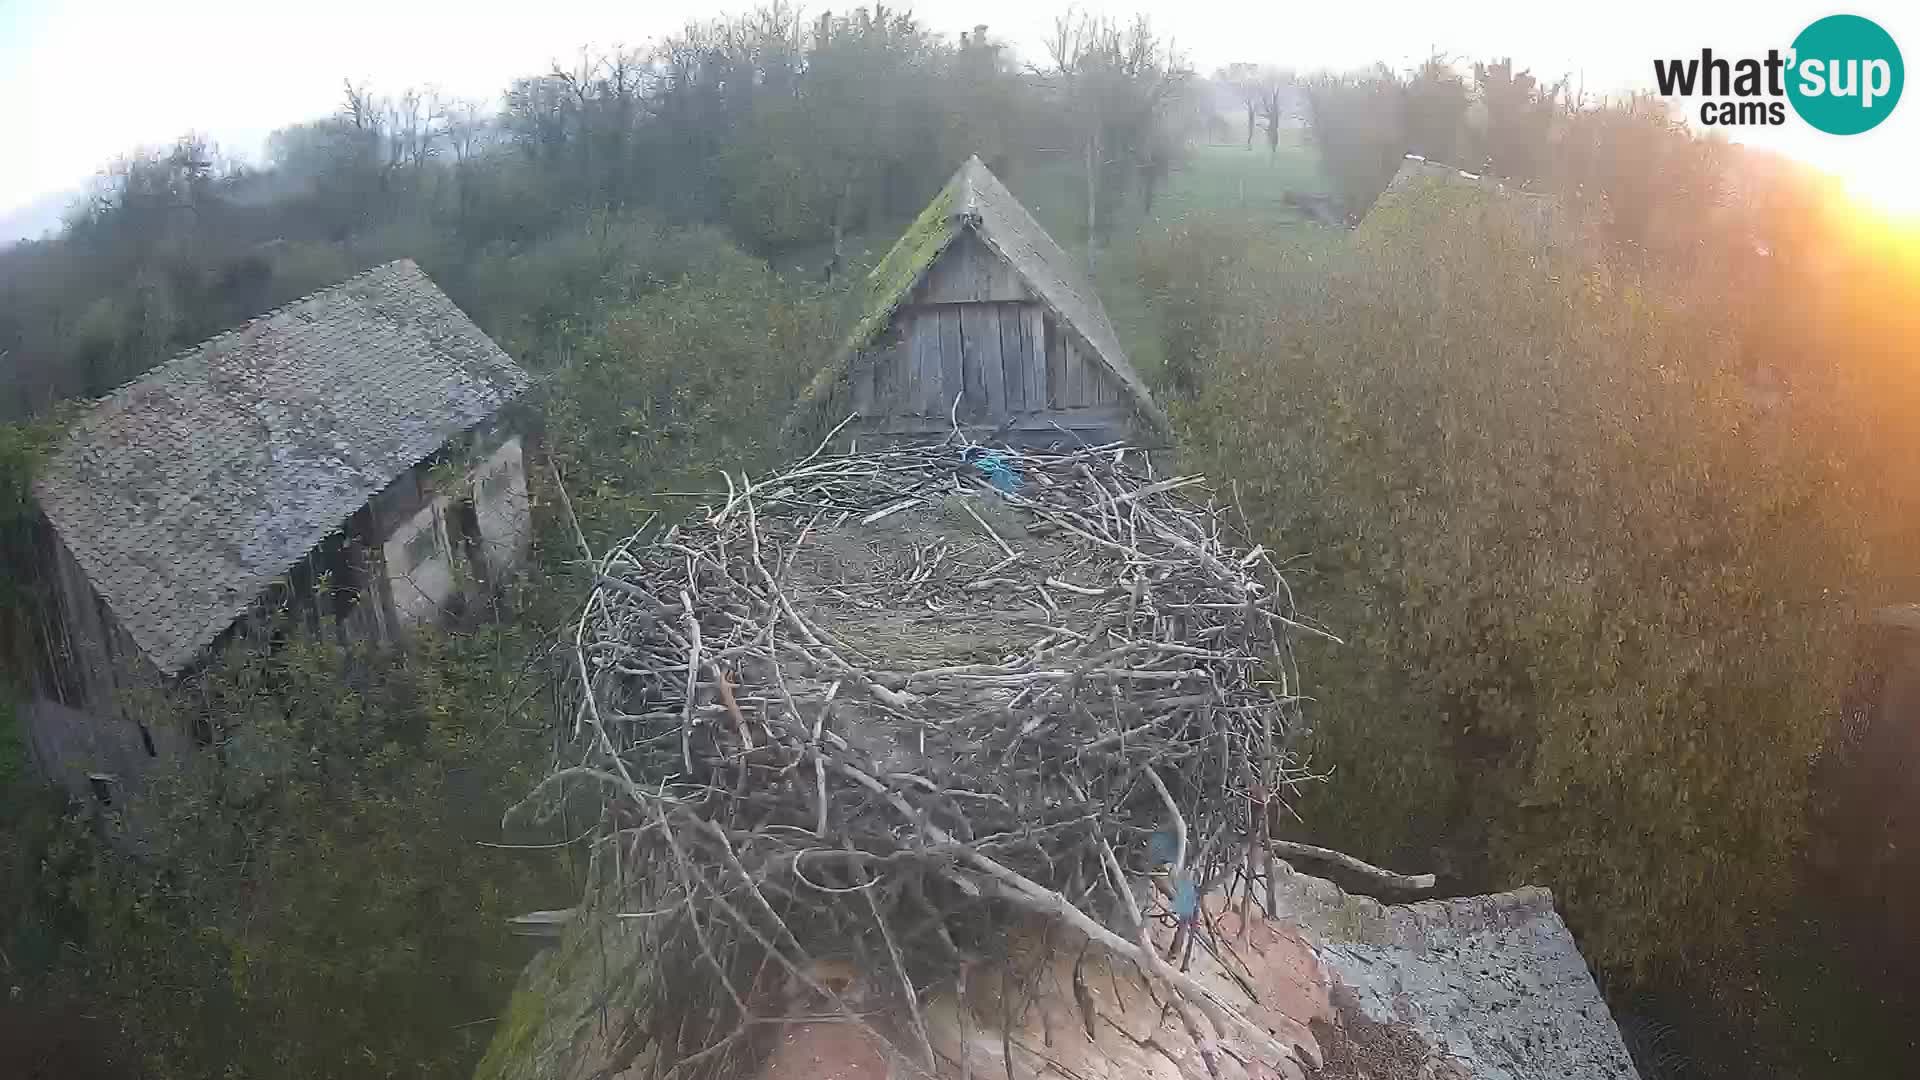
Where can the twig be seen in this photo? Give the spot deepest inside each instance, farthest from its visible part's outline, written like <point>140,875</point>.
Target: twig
<point>1007,779</point>
<point>579,537</point>
<point>1288,849</point>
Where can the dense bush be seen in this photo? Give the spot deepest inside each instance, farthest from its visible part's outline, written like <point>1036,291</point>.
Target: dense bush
<point>308,898</point>
<point>1187,270</point>
<point>686,380</point>
<point>1358,127</point>
<point>1596,596</point>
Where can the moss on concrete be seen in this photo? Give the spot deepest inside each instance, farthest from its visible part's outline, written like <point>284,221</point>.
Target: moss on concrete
<point>519,1028</point>
<point>575,1011</point>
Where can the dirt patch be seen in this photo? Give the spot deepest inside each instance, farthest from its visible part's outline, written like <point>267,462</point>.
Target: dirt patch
<point>827,1050</point>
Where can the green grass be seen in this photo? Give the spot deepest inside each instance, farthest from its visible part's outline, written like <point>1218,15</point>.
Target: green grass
<point>1251,185</point>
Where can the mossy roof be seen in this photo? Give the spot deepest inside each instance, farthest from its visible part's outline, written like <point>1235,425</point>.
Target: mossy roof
<point>1417,178</point>
<point>976,199</point>
<point>185,493</point>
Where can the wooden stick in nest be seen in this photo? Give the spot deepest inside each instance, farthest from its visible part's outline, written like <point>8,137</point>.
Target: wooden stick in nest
<point>1144,693</point>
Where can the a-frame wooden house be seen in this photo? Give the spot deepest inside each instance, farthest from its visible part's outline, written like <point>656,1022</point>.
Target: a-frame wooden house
<point>977,318</point>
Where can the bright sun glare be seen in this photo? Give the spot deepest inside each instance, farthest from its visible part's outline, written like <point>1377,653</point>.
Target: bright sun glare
<point>1892,190</point>
<point>1885,179</point>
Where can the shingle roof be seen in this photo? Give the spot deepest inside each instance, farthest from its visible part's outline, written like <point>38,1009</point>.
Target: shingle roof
<point>185,493</point>
<point>975,198</point>
<point>1493,984</point>
<point>1417,174</point>
<point>1471,988</point>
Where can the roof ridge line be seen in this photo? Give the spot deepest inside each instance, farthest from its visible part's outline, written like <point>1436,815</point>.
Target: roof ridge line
<point>295,302</point>
<point>201,345</point>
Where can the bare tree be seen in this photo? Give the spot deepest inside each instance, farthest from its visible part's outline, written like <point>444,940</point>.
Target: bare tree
<point>1264,91</point>
<point>1116,88</point>
<point>411,132</point>
<point>362,110</point>
<point>1273,85</point>
<point>1244,80</point>
<point>462,123</point>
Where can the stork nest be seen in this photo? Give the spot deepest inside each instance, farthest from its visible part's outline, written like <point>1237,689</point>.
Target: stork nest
<point>872,710</point>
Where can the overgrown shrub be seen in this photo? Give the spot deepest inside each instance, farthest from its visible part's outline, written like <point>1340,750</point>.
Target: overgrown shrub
<point>1187,271</point>
<point>1359,128</point>
<point>543,301</point>
<point>687,379</point>
<point>1595,595</point>
<point>306,898</point>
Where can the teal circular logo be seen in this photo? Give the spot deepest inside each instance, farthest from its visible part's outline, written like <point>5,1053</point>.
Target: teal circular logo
<point>1846,75</point>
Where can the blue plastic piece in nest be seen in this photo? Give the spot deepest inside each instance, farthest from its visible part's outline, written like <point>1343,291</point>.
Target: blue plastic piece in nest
<point>1162,847</point>
<point>1000,469</point>
<point>1186,899</point>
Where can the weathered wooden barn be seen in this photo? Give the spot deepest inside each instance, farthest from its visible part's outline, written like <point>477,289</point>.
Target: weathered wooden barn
<point>340,460</point>
<point>977,317</point>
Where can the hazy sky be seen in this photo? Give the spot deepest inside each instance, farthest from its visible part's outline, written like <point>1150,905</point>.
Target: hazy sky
<point>85,81</point>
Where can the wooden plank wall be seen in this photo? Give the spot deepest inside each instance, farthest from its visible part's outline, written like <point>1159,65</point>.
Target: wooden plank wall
<point>973,330</point>
<point>970,273</point>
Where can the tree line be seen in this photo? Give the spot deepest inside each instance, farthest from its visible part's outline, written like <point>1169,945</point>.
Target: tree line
<point>790,132</point>
<point>1597,468</point>
<point>320,907</point>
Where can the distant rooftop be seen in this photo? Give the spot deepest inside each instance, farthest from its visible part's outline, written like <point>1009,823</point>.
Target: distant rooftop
<point>182,495</point>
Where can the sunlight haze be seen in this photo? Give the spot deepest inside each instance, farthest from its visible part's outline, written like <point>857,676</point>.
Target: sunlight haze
<point>237,71</point>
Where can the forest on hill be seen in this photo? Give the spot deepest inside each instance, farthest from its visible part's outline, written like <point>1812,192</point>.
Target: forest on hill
<point>1599,506</point>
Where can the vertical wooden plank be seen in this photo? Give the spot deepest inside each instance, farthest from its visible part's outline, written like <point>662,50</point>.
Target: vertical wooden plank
<point>886,371</point>
<point>983,338</point>
<point>890,394</point>
<point>926,369</point>
<point>1013,356</point>
<point>860,381</point>
<point>913,366</point>
<point>1005,284</point>
<point>886,374</point>
<point>1086,379</point>
<point>925,349</point>
<point>1055,350</point>
<point>1073,376</point>
<point>941,284</point>
<point>1036,361</point>
<point>963,284</point>
<point>945,382</point>
<point>972,370</point>
<point>1099,384</point>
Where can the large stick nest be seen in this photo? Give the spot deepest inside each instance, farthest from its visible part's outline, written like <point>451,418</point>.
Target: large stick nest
<point>875,708</point>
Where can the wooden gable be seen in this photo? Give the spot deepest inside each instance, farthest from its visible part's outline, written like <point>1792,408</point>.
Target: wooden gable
<point>973,328</point>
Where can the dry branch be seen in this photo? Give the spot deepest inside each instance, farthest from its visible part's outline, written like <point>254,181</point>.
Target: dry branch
<point>1288,849</point>
<point>772,685</point>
